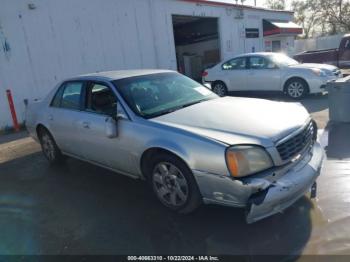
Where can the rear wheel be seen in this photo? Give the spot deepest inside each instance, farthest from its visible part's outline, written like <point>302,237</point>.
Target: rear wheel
<point>49,147</point>
<point>296,88</point>
<point>219,88</point>
<point>173,183</point>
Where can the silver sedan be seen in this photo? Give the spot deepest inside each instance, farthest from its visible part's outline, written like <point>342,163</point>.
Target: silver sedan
<point>190,145</point>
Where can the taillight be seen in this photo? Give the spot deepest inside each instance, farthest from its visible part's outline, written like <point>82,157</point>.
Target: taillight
<point>205,73</point>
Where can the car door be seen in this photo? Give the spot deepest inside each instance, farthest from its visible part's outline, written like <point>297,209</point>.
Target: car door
<point>100,104</point>
<point>263,74</point>
<point>63,113</point>
<point>235,74</point>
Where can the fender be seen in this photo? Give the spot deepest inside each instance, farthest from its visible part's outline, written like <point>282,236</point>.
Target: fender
<point>170,146</point>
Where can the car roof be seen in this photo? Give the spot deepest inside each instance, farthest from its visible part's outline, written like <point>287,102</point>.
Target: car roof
<point>119,74</point>
<point>257,54</point>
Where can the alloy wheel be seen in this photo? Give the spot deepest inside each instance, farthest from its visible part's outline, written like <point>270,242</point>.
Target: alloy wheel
<point>170,185</point>
<point>219,89</point>
<point>295,89</point>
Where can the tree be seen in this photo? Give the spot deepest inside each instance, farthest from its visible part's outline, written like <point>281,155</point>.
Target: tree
<point>322,17</point>
<point>308,15</point>
<point>276,4</point>
<point>337,14</point>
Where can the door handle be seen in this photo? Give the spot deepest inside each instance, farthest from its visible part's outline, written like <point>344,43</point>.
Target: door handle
<point>50,117</point>
<point>86,125</point>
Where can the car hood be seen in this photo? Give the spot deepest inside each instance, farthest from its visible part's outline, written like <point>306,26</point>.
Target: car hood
<point>235,120</point>
<point>314,65</point>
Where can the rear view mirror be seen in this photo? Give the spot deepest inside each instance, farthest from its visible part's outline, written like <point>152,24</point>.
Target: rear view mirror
<point>111,127</point>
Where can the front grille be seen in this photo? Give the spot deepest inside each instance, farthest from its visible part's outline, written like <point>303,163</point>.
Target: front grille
<point>296,144</point>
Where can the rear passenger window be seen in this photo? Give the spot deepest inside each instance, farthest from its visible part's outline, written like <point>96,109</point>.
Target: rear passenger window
<point>71,95</point>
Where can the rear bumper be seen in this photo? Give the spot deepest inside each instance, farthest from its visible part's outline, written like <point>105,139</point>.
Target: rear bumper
<point>263,197</point>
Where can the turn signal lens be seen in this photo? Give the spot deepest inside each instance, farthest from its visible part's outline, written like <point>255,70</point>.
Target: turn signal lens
<point>235,162</point>
<point>232,163</point>
<point>205,73</point>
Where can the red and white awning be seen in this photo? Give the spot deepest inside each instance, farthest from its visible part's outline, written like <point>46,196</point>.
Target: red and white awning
<point>275,27</point>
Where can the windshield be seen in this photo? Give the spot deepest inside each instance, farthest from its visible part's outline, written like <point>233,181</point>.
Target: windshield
<point>283,60</point>
<point>158,94</point>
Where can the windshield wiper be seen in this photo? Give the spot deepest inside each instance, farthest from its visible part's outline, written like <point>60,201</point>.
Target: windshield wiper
<point>195,102</point>
<point>170,110</point>
<point>164,112</point>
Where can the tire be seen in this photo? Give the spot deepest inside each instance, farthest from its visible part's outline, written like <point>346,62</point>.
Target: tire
<point>219,88</point>
<point>296,88</point>
<point>49,147</point>
<point>173,183</point>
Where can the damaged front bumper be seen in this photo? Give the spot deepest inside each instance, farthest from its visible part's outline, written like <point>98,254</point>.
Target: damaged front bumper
<point>263,196</point>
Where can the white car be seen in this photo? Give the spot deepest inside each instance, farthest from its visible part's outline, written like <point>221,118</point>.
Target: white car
<point>269,72</point>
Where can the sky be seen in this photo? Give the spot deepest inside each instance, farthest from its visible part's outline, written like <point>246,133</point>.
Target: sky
<point>259,3</point>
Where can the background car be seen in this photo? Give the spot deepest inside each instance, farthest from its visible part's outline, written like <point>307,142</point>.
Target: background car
<point>269,72</point>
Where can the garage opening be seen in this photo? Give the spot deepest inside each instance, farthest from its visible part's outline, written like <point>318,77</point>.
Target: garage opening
<point>197,44</point>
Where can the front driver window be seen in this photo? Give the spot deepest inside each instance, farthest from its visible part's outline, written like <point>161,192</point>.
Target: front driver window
<point>101,99</point>
<point>234,64</point>
<point>257,62</point>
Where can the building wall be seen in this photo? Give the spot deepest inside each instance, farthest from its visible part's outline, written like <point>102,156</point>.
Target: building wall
<point>287,43</point>
<point>50,40</point>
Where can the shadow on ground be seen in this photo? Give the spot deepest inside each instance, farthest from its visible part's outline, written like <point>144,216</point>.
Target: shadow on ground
<point>78,208</point>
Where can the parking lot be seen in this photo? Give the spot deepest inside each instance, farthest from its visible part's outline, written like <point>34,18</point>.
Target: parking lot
<point>78,208</point>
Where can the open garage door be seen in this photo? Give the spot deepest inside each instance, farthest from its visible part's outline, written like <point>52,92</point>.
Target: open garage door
<point>197,44</point>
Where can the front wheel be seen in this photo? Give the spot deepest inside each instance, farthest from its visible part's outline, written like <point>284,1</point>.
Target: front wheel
<point>219,88</point>
<point>296,88</point>
<point>173,184</point>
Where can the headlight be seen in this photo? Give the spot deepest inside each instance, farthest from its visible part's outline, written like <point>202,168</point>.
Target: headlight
<point>246,160</point>
<point>318,72</point>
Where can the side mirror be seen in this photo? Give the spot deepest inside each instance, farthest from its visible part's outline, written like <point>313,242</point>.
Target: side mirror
<point>111,127</point>
<point>121,116</point>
